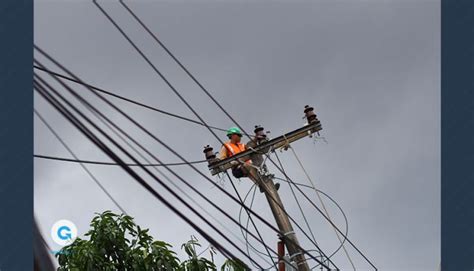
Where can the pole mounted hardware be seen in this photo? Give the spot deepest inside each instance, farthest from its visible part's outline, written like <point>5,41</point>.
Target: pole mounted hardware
<point>257,147</point>
<point>313,126</point>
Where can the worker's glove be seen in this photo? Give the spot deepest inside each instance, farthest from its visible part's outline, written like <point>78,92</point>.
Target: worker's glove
<point>234,163</point>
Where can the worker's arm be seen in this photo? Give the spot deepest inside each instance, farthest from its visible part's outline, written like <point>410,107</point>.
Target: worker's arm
<point>223,153</point>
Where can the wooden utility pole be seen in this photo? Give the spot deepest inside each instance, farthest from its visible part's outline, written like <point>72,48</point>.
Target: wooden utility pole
<point>258,173</point>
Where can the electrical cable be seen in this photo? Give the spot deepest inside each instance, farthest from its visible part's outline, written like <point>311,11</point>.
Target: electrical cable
<point>157,139</point>
<point>153,136</point>
<point>91,107</point>
<point>321,212</point>
<point>327,219</point>
<point>169,180</point>
<point>298,203</point>
<point>131,157</point>
<point>247,243</point>
<point>53,101</point>
<point>245,234</point>
<point>155,69</point>
<point>47,157</point>
<point>111,154</point>
<point>324,194</point>
<point>71,152</point>
<point>181,65</point>
<point>187,72</point>
<point>67,87</point>
<point>335,203</point>
<point>194,79</point>
<point>124,98</point>
<point>116,133</point>
<point>167,82</point>
<point>322,203</point>
<point>250,217</point>
<point>105,163</point>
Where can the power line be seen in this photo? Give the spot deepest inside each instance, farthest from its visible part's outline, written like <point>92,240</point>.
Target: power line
<point>321,212</point>
<point>331,199</point>
<point>112,163</point>
<point>298,203</point>
<point>322,203</point>
<point>118,128</point>
<point>163,78</point>
<point>128,100</point>
<point>102,116</point>
<point>200,85</point>
<point>179,96</point>
<point>327,218</point>
<point>302,185</point>
<point>166,177</point>
<point>162,143</point>
<point>124,98</point>
<point>250,217</point>
<point>71,152</point>
<point>117,133</point>
<point>184,69</point>
<point>181,65</point>
<point>155,69</point>
<point>247,243</point>
<point>65,112</point>
<point>318,191</point>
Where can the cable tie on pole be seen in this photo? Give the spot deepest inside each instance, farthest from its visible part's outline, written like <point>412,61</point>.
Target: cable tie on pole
<point>300,262</point>
<point>296,254</point>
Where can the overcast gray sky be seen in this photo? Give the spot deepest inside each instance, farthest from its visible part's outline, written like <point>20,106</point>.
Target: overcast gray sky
<point>371,69</point>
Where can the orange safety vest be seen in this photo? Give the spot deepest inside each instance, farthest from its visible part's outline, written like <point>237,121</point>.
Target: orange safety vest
<point>233,149</point>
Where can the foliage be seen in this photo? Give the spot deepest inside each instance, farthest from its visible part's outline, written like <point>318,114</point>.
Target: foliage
<point>233,265</point>
<point>117,243</point>
<point>194,262</point>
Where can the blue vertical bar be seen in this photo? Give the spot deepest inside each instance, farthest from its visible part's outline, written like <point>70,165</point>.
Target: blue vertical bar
<point>457,135</point>
<point>16,135</point>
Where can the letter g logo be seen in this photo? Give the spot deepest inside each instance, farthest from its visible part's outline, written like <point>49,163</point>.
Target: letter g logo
<point>63,232</point>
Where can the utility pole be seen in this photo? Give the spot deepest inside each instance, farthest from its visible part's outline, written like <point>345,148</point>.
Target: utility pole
<point>258,146</point>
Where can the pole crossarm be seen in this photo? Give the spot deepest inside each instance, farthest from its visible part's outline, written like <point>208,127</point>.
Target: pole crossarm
<point>274,144</point>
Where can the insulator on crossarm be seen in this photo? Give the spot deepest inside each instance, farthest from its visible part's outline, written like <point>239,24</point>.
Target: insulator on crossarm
<point>260,134</point>
<point>209,154</point>
<point>309,114</point>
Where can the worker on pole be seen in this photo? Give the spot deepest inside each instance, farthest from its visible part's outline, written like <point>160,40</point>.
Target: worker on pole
<point>232,147</point>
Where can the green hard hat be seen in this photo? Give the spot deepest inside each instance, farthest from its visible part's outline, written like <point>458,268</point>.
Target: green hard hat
<point>234,130</point>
